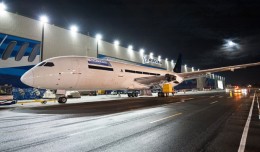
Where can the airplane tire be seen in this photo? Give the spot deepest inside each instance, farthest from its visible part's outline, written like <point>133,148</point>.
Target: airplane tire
<point>44,102</point>
<point>129,94</point>
<point>62,100</point>
<point>160,94</point>
<point>135,94</point>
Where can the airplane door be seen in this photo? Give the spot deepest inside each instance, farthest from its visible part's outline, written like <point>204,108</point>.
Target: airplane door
<point>69,76</point>
<point>120,78</point>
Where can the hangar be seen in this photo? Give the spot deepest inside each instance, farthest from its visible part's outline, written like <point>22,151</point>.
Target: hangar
<point>24,42</point>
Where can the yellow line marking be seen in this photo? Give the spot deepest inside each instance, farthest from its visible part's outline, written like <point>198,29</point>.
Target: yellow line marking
<point>166,117</point>
<point>23,102</point>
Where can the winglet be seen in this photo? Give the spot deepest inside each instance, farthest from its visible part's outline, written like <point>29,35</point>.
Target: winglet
<point>177,68</point>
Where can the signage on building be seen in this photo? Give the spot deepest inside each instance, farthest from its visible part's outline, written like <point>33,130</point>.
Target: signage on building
<point>148,59</point>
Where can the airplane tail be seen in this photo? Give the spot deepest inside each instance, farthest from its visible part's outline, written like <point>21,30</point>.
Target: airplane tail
<point>177,67</point>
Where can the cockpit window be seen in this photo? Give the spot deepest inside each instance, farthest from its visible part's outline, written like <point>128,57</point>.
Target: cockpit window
<point>42,64</point>
<point>49,64</point>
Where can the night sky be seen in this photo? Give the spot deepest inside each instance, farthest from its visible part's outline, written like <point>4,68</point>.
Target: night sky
<point>199,29</point>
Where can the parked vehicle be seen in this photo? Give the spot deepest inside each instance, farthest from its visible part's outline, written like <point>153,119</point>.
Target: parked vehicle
<point>6,96</point>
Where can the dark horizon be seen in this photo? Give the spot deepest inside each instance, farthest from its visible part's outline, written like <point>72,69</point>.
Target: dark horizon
<point>198,29</point>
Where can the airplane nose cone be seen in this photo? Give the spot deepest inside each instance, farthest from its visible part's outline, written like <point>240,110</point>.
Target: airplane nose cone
<point>27,78</point>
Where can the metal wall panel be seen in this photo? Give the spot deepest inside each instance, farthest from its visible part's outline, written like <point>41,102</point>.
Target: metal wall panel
<point>20,26</point>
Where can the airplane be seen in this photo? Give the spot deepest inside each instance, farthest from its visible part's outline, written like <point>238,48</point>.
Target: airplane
<point>89,73</point>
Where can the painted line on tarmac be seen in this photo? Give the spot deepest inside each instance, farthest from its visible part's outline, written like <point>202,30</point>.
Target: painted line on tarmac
<point>213,102</point>
<point>189,99</point>
<point>166,117</point>
<point>246,128</point>
<point>258,108</point>
<point>183,100</point>
<point>34,101</point>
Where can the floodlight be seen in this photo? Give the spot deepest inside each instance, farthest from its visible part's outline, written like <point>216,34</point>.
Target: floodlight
<point>2,7</point>
<point>74,28</point>
<point>116,42</point>
<point>142,51</point>
<point>98,37</point>
<point>44,19</point>
<point>130,47</point>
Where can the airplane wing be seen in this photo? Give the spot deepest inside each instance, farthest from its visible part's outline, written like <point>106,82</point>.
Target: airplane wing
<point>155,80</point>
<point>152,80</point>
<point>195,74</point>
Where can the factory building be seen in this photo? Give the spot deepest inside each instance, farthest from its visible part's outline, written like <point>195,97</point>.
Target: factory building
<point>24,42</point>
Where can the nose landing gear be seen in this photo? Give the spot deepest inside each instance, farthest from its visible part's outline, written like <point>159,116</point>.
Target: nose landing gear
<point>62,99</point>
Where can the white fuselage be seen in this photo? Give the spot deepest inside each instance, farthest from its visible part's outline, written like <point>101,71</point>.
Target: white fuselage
<point>86,73</point>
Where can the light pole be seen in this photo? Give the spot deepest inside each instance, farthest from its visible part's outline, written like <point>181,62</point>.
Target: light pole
<point>98,38</point>
<point>43,19</point>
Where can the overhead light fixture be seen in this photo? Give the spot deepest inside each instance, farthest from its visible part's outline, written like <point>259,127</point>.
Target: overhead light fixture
<point>98,37</point>
<point>130,47</point>
<point>2,7</point>
<point>151,55</point>
<point>74,28</point>
<point>44,19</point>
<point>116,42</point>
<point>141,51</point>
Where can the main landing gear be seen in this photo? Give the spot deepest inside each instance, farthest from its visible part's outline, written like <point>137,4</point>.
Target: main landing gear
<point>132,94</point>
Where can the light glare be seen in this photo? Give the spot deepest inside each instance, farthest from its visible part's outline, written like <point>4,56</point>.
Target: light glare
<point>130,47</point>
<point>98,37</point>
<point>151,54</point>
<point>44,19</point>
<point>2,7</point>
<point>116,42</point>
<point>142,51</point>
<point>74,28</point>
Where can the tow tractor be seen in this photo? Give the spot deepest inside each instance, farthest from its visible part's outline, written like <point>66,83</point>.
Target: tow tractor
<point>6,96</point>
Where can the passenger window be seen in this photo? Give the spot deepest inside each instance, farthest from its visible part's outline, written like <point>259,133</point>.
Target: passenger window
<point>49,64</point>
<point>9,49</point>
<point>34,52</point>
<point>21,51</point>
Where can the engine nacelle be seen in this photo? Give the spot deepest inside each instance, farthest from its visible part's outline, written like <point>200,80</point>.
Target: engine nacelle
<point>169,77</point>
